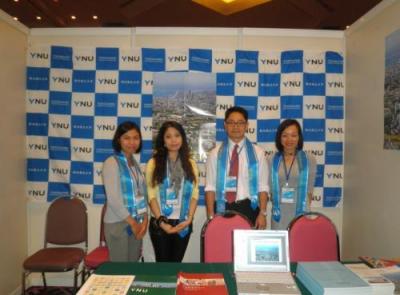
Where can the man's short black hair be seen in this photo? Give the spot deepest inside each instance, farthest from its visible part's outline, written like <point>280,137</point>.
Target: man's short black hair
<point>236,109</point>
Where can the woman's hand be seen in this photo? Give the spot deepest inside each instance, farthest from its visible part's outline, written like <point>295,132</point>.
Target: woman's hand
<point>142,228</point>
<point>135,227</point>
<point>169,229</point>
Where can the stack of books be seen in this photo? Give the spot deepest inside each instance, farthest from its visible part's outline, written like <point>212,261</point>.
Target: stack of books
<point>380,285</point>
<point>331,278</point>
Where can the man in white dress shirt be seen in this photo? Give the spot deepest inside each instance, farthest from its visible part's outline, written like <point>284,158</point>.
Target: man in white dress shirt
<point>237,173</point>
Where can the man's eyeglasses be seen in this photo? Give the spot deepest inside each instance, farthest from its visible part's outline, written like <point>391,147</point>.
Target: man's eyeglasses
<point>236,123</point>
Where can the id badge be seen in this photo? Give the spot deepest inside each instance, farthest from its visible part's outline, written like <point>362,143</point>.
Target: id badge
<point>171,197</point>
<point>288,194</point>
<point>141,205</point>
<point>231,184</point>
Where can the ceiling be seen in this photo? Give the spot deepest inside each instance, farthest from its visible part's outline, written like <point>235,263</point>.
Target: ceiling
<point>290,14</point>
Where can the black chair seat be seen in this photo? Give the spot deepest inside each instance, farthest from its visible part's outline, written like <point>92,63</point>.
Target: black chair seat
<point>54,259</point>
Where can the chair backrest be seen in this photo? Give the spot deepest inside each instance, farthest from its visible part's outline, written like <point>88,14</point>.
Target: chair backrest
<point>313,237</point>
<point>217,236</point>
<point>102,235</point>
<point>66,222</point>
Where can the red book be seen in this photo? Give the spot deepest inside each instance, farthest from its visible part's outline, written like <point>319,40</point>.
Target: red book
<point>201,283</point>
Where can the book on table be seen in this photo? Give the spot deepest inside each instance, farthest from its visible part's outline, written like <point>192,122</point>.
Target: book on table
<point>154,284</point>
<point>201,283</point>
<point>380,285</point>
<point>261,262</point>
<point>378,262</point>
<point>392,273</point>
<point>331,278</point>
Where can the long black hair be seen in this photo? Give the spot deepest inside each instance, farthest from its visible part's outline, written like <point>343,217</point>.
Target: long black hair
<point>285,124</point>
<point>161,154</point>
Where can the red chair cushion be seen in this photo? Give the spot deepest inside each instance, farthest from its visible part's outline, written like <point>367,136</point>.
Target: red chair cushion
<point>313,240</point>
<point>218,245</point>
<point>96,257</point>
<point>54,259</point>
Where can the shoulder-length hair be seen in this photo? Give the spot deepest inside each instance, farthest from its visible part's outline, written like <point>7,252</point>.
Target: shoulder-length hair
<point>161,154</point>
<point>121,130</point>
<point>285,124</point>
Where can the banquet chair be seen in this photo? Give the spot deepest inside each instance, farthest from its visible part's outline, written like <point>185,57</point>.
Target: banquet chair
<point>65,242</point>
<point>313,237</point>
<point>217,236</point>
<point>100,254</point>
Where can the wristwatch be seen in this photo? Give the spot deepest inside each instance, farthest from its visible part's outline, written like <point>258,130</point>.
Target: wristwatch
<point>263,212</point>
<point>210,217</point>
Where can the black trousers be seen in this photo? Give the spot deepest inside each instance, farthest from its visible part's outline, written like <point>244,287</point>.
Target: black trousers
<point>244,208</point>
<point>168,247</point>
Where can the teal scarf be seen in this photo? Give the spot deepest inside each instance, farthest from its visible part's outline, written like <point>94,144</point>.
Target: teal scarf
<point>128,186</point>
<point>302,185</point>
<point>186,197</point>
<point>222,171</point>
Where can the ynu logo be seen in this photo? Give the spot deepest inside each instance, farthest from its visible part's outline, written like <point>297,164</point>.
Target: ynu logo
<point>335,130</point>
<point>270,62</point>
<point>85,58</point>
<point>251,130</point>
<point>82,149</point>
<point>61,79</point>
<point>85,104</point>
<point>130,105</point>
<point>316,198</point>
<point>107,81</point>
<point>274,107</point>
<point>147,128</point>
<point>37,147</point>
<point>181,58</point>
<point>83,195</point>
<point>247,84</point>
<point>60,171</point>
<point>105,127</point>
<point>36,193</point>
<point>314,61</point>
<point>223,107</point>
<point>335,84</point>
<point>42,101</point>
<point>334,175</point>
<point>224,61</point>
<point>292,84</point>
<point>315,107</point>
<point>316,152</point>
<point>127,58</point>
<point>57,125</point>
<point>40,55</point>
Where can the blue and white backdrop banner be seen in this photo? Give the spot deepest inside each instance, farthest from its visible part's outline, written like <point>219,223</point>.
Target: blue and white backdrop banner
<point>76,97</point>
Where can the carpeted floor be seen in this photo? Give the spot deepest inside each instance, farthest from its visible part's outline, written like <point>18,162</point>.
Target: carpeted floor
<point>50,291</point>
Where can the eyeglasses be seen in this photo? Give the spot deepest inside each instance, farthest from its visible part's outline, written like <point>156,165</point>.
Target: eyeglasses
<point>236,123</point>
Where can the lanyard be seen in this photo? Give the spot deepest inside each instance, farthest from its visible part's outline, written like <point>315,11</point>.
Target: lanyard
<point>287,173</point>
<point>136,173</point>
<point>170,168</point>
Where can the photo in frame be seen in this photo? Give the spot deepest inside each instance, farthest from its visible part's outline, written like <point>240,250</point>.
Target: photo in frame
<point>261,250</point>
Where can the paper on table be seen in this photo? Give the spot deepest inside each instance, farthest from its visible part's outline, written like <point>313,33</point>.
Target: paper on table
<point>107,284</point>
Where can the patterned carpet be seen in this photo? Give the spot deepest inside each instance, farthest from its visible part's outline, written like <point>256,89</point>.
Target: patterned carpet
<point>36,290</point>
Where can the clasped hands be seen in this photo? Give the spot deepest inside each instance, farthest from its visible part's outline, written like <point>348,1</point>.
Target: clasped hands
<point>169,229</point>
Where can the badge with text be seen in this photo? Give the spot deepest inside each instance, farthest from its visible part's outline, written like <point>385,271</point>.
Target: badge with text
<point>231,183</point>
<point>171,197</point>
<point>288,194</point>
